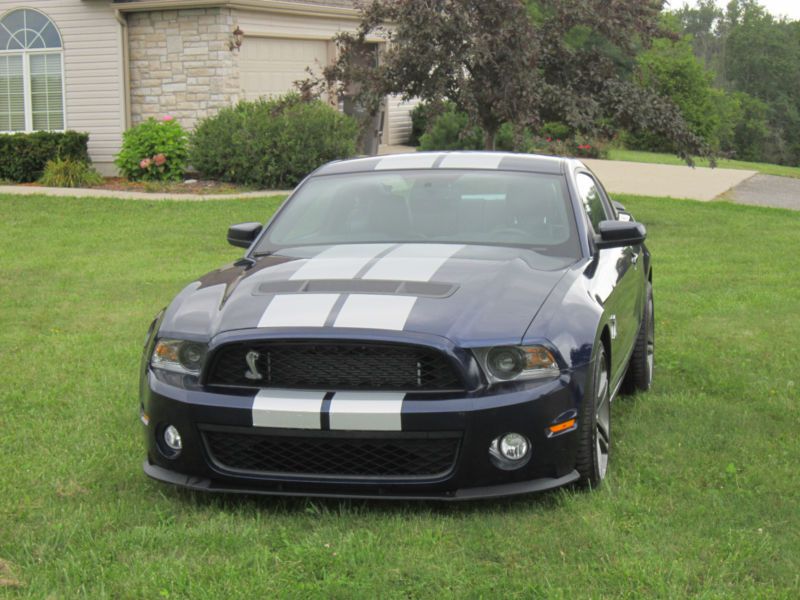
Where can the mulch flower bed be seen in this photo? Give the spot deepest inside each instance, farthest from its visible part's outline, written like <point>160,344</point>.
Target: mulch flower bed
<point>188,186</point>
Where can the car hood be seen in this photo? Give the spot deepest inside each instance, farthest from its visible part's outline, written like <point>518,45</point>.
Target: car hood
<point>469,294</point>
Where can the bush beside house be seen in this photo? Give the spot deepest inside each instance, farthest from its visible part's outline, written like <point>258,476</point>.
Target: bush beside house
<point>155,150</point>
<point>23,156</point>
<point>68,172</point>
<point>271,143</point>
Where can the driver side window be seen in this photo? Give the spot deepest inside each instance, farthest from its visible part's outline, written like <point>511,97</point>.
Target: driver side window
<point>592,201</point>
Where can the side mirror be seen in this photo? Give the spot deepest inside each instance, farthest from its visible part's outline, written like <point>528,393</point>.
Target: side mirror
<point>618,234</point>
<point>243,234</point>
<point>622,212</point>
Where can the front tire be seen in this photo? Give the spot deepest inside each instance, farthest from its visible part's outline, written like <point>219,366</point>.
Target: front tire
<point>594,441</point>
<point>640,368</point>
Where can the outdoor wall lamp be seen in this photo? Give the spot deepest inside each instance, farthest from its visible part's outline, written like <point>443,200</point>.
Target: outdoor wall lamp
<point>236,39</point>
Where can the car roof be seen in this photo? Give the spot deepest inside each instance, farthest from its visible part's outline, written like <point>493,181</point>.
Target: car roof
<point>498,161</point>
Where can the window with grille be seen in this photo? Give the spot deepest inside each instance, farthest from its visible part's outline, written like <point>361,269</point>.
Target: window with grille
<point>31,73</point>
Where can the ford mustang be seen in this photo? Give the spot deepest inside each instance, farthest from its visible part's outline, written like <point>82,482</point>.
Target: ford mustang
<point>431,325</point>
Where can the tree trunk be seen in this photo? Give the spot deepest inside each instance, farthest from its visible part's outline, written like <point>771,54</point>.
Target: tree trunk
<point>489,139</point>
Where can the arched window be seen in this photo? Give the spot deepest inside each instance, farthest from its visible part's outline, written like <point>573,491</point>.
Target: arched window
<point>31,72</point>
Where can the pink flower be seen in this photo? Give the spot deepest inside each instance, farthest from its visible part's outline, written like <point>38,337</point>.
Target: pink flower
<point>549,139</point>
<point>145,163</point>
<point>167,118</point>
<point>159,159</point>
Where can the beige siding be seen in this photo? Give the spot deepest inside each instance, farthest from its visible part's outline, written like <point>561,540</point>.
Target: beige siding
<point>93,75</point>
<point>256,23</point>
<point>399,121</point>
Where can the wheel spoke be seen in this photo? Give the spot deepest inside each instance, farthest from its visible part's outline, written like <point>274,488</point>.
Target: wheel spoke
<point>603,423</point>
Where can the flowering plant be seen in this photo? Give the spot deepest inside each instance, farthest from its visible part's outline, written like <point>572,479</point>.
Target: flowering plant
<point>154,150</point>
<point>569,147</point>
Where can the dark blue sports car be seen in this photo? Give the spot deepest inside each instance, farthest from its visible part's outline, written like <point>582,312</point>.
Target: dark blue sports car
<point>431,325</point>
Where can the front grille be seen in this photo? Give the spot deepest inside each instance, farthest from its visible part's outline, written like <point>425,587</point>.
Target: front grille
<point>322,456</point>
<point>334,366</point>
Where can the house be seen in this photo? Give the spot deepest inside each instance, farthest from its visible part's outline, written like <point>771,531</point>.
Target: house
<point>100,66</point>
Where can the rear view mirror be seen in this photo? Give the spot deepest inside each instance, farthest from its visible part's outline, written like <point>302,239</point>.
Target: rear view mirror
<point>243,234</point>
<point>618,234</point>
<point>622,212</point>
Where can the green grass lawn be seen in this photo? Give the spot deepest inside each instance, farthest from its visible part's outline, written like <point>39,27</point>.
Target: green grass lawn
<point>703,496</point>
<point>671,159</point>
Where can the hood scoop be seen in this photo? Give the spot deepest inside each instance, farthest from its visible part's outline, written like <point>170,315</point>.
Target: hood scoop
<point>423,289</point>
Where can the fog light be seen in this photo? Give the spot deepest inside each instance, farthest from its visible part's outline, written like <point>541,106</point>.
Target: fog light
<point>172,439</point>
<point>510,451</point>
<point>514,446</point>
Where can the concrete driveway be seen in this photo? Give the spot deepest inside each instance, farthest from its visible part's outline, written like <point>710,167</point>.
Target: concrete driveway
<point>644,179</point>
<point>768,190</point>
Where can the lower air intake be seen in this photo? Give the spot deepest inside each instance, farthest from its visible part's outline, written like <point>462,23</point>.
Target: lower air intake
<point>328,456</point>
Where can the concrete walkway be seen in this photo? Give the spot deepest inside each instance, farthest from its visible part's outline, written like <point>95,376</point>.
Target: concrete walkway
<point>644,179</point>
<point>25,190</point>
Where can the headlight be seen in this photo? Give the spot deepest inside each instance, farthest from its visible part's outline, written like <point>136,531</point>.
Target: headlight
<point>509,363</point>
<point>179,356</point>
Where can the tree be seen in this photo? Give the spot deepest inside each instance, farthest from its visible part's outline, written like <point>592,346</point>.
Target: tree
<point>756,58</point>
<point>671,69</point>
<point>510,61</point>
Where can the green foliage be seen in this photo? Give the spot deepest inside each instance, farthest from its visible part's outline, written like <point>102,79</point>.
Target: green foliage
<point>154,150</point>
<point>68,172</point>
<point>421,116</point>
<point>514,62</point>
<point>272,143</point>
<point>751,52</point>
<point>452,131</point>
<point>23,156</point>
<point>672,70</point>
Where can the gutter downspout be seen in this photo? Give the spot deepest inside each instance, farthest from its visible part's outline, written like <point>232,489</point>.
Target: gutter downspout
<point>126,68</point>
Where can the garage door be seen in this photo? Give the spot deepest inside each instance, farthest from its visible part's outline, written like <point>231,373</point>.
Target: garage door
<point>270,66</point>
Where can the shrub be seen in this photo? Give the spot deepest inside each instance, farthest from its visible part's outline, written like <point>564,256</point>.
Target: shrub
<point>272,143</point>
<point>23,156</point>
<point>451,131</point>
<point>68,172</point>
<point>421,115</point>
<point>154,151</point>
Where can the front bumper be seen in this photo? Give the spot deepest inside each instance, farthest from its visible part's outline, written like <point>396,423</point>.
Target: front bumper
<point>475,419</point>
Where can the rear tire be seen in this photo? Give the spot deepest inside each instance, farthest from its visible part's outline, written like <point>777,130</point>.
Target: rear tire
<point>594,426</point>
<point>640,368</point>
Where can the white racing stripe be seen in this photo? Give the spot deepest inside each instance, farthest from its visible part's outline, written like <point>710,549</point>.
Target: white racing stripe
<point>298,310</point>
<point>374,311</point>
<point>293,409</point>
<point>366,411</point>
<point>421,160</point>
<point>472,160</point>
<point>412,262</point>
<point>339,262</point>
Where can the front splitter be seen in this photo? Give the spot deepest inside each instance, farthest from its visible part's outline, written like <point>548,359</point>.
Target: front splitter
<point>202,484</point>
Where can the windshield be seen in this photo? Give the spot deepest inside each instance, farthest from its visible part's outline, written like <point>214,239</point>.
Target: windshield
<point>442,206</point>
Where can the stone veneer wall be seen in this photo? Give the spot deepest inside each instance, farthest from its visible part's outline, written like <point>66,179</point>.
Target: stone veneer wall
<point>180,64</point>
